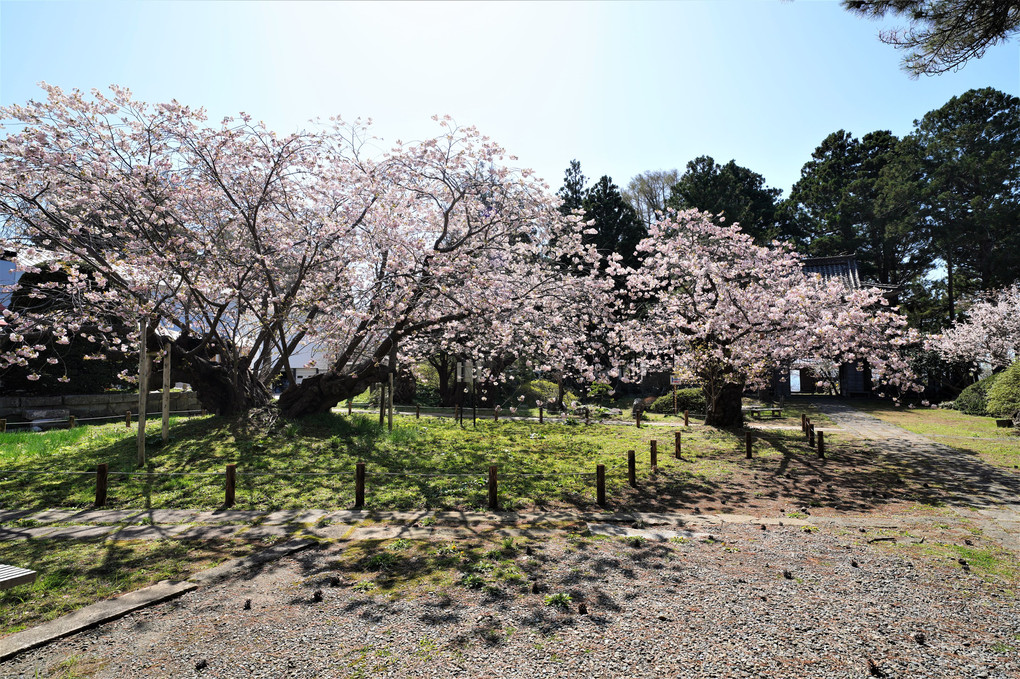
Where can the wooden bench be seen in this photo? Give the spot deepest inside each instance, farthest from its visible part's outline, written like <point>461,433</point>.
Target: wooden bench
<point>12,576</point>
<point>756,411</point>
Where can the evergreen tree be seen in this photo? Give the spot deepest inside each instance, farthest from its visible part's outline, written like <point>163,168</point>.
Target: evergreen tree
<point>730,193</point>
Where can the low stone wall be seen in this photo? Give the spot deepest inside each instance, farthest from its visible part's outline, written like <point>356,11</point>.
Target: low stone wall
<point>94,405</point>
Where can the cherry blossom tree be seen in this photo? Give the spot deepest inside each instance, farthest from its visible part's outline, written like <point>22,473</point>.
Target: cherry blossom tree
<point>709,304</point>
<point>239,244</point>
<point>990,334</point>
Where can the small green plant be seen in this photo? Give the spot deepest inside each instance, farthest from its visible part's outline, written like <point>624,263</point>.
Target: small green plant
<point>731,550</point>
<point>383,561</point>
<point>427,521</point>
<point>559,600</point>
<point>448,550</point>
<point>509,544</point>
<point>290,431</point>
<point>637,541</point>
<point>399,545</point>
<point>472,581</point>
<point>679,540</point>
<point>365,586</point>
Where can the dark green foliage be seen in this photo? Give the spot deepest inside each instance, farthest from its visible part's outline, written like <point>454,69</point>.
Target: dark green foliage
<point>943,34</point>
<point>974,399</point>
<point>1004,393</point>
<point>737,192</point>
<point>618,226</point>
<point>837,206</point>
<point>692,399</point>
<point>573,189</point>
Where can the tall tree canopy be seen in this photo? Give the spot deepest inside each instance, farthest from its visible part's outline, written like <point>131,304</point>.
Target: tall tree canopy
<point>731,193</point>
<point>709,303</point>
<point>618,228</point>
<point>240,244</point>
<point>943,34</point>
<point>649,192</point>
<point>963,165</point>
<point>838,208</point>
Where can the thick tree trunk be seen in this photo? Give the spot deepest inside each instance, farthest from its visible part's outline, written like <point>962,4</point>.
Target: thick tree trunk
<point>321,393</point>
<point>723,405</point>
<point>222,389</point>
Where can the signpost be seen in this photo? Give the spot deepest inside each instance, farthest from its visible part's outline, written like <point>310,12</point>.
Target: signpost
<point>675,382</point>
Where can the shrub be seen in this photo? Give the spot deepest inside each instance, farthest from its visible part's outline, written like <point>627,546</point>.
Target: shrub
<point>686,399</point>
<point>543,390</point>
<point>1004,394</point>
<point>974,399</point>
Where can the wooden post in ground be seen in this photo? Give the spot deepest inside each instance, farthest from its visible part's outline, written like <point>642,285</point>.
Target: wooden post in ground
<point>653,450</point>
<point>382,404</point>
<point>676,435</point>
<point>228,500</point>
<point>389,401</point>
<point>359,485</point>
<point>143,385</point>
<point>493,503</point>
<point>127,419</point>
<point>637,419</point>
<point>101,481</point>
<point>417,411</point>
<point>687,418</point>
<point>600,485</point>
<point>631,469</point>
<point>495,415</point>
<point>807,428</point>
<point>821,445</point>
<point>350,407</point>
<point>748,444</point>
<point>803,423</point>
<point>587,415</point>
<point>675,411</point>
<point>3,425</point>
<point>166,394</point>
<point>70,421</point>
<point>811,435</point>
<point>540,411</point>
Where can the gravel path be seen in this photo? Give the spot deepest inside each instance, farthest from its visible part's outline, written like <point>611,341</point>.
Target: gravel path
<point>778,603</point>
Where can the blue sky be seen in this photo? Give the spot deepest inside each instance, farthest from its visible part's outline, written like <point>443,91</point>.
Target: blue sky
<point>623,87</point>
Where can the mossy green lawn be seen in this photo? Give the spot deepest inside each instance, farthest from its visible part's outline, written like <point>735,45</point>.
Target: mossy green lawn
<point>426,463</point>
<point>72,574</point>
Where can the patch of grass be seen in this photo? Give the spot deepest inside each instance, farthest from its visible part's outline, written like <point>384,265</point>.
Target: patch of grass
<point>970,433</point>
<point>75,574</point>
<point>559,600</point>
<point>992,564</point>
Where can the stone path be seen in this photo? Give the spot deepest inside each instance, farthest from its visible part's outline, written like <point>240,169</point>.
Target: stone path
<point>978,491</point>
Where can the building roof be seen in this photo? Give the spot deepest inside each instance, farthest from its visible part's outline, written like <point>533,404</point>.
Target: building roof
<point>843,267</point>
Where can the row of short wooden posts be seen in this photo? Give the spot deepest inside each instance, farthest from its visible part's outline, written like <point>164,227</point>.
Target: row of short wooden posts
<point>458,414</point>
<point>103,471</point>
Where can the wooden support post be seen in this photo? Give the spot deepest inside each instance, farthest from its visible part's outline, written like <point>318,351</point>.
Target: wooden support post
<point>350,407</point>
<point>495,415</point>
<point>653,451</point>
<point>204,413</point>
<point>143,386</point>
<point>540,412</point>
<point>228,501</point>
<point>675,411</point>
<point>493,503</point>
<point>687,418</point>
<point>807,428</point>
<point>748,444</point>
<point>803,423</point>
<point>127,419</point>
<point>389,402</point>
<point>3,425</point>
<point>821,445</point>
<point>637,419</point>
<point>417,411</point>
<point>166,394</point>
<point>676,435</point>
<point>359,485</point>
<point>70,421</point>
<point>811,435</point>
<point>631,469</point>
<point>587,415</point>
<point>382,404</point>
<point>600,485</point>
<point>101,483</point>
